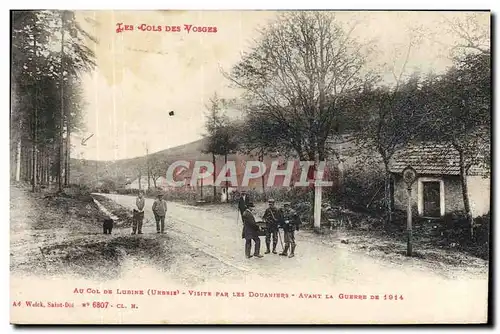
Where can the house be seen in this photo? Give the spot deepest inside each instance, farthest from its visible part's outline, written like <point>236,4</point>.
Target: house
<point>161,182</point>
<point>438,190</point>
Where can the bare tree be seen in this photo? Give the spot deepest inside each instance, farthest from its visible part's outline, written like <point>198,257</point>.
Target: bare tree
<point>294,75</point>
<point>461,100</point>
<point>260,137</point>
<point>220,133</point>
<point>158,166</point>
<point>472,34</point>
<point>388,117</point>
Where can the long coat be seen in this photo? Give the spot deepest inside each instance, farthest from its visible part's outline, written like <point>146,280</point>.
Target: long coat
<point>250,227</point>
<point>243,203</point>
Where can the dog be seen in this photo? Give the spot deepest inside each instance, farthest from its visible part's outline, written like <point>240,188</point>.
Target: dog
<point>107,225</point>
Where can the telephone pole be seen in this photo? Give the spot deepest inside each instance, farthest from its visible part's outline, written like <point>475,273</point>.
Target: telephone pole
<point>147,164</point>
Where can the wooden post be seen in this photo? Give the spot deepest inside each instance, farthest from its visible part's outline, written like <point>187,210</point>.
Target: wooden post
<point>409,227</point>
<point>201,191</point>
<point>409,176</point>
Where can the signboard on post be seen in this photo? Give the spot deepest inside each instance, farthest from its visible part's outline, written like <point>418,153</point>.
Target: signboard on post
<point>409,176</point>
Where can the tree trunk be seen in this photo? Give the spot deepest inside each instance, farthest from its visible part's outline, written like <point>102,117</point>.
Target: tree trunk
<point>47,169</point>
<point>61,121</point>
<point>261,159</point>
<point>29,158</point>
<point>215,176</point>
<point>68,152</point>
<point>26,164</point>
<point>34,168</point>
<point>318,194</point>
<point>227,183</point>
<point>387,194</point>
<point>39,167</point>
<point>35,131</point>
<point>147,166</point>
<point>465,193</point>
<point>140,181</point>
<point>18,158</point>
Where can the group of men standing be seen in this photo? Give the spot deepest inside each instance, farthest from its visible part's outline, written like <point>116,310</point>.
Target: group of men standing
<point>275,218</point>
<point>159,210</point>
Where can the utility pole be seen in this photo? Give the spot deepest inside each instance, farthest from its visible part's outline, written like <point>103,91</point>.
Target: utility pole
<point>147,165</point>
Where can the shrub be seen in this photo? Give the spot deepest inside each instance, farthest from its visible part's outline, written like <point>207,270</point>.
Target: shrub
<point>361,189</point>
<point>124,191</point>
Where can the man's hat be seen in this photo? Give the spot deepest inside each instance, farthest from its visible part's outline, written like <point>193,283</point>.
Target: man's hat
<point>271,200</point>
<point>286,203</point>
<point>250,205</point>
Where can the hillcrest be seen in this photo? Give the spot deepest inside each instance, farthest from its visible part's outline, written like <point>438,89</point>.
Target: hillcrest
<point>305,173</point>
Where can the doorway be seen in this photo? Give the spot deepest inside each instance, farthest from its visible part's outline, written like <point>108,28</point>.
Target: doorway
<point>432,198</point>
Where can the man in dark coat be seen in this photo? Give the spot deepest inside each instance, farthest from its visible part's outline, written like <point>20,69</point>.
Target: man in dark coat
<point>290,222</point>
<point>160,210</point>
<point>272,218</point>
<point>243,202</point>
<point>251,232</point>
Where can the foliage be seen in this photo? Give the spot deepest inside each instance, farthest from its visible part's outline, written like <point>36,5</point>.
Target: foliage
<point>362,190</point>
<point>294,77</point>
<point>220,131</point>
<point>41,61</point>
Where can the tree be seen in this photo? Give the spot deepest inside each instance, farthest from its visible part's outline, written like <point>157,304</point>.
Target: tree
<point>260,136</point>
<point>295,74</point>
<point>388,119</point>
<point>139,171</point>
<point>471,32</point>
<point>461,99</point>
<point>158,168</point>
<point>220,133</point>
<point>39,74</point>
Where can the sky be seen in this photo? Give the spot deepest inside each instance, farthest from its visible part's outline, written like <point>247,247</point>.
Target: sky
<point>142,75</point>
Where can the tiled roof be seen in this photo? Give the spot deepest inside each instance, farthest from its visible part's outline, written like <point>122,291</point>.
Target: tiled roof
<point>430,158</point>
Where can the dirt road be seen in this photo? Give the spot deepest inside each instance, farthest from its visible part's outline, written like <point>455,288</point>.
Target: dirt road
<point>59,248</point>
<point>438,291</point>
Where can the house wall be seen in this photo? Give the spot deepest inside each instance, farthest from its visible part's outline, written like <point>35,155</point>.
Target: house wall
<point>453,194</point>
<point>479,194</point>
<point>401,194</point>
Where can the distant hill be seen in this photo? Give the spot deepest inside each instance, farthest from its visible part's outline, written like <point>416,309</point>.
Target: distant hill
<point>89,171</point>
<point>121,171</point>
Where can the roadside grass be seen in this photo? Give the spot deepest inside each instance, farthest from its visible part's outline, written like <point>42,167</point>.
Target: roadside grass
<point>62,233</point>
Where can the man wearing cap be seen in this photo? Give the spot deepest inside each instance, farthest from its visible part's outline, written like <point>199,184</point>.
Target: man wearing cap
<point>160,210</point>
<point>243,202</point>
<point>138,214</point>
<point>250,232</point>
<point>271,217</point>
<point>289,223</point>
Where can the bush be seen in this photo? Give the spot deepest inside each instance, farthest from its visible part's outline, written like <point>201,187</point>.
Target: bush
<point>124,191</point>
<point>362,189</point>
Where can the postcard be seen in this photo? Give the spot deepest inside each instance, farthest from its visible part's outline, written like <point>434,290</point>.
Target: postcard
<point>250,167</point>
